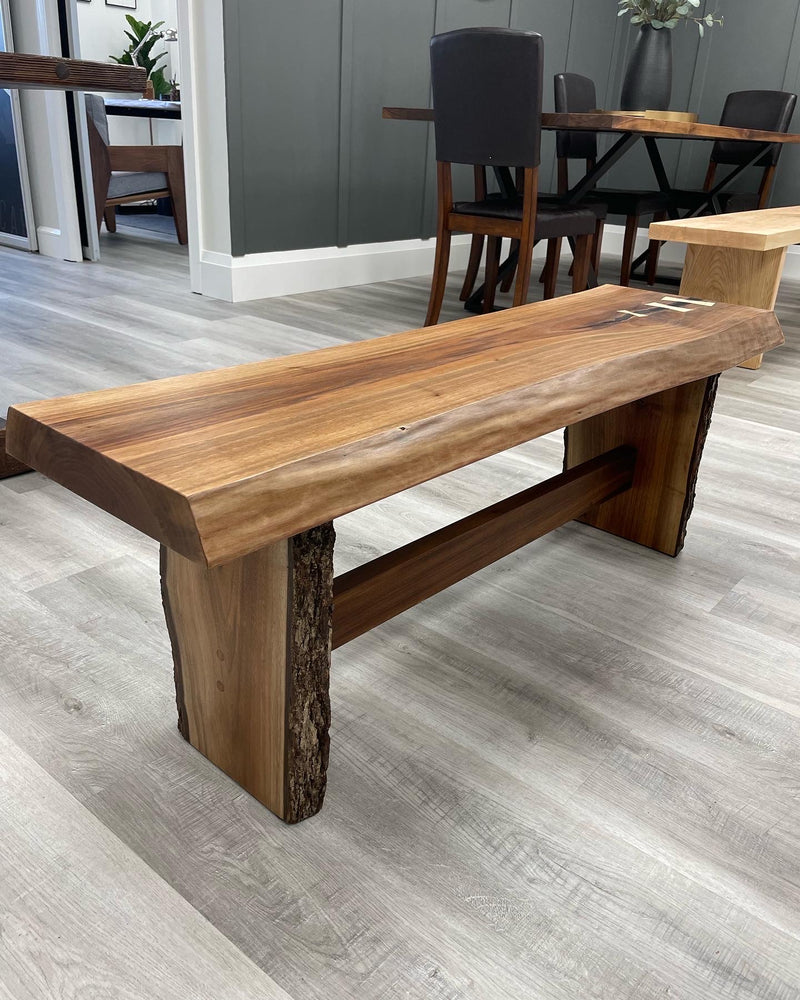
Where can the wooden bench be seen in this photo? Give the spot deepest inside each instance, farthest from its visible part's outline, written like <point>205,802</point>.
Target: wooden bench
<point>239,474</point>
<point>735,258</point>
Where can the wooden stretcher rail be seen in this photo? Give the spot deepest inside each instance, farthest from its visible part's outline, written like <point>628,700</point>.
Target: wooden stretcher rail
<point>379,590</point>
<point>22,71</point>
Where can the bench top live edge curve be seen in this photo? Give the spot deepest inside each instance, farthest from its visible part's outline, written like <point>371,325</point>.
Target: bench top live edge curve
<point>218,464</point>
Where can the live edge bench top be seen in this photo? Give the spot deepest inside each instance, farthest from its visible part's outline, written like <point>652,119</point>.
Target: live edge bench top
<point>221,463</point>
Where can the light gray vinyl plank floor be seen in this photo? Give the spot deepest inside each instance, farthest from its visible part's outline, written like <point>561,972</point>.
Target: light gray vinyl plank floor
<point>574,776</point>
<point>82,916</point>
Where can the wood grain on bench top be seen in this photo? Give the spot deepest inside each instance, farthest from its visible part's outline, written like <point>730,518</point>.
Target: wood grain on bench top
<point>219,464</point>
<point>765,229</point>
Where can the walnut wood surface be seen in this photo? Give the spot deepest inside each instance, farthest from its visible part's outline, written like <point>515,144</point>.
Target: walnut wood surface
<point>21,71</point>
<point>668,431</point>
<point>381,589</point>
<point>251,643</point>
<point>219,464</point>
<point>765,229</point>
<point>8,466</point>
<point>598,121</point>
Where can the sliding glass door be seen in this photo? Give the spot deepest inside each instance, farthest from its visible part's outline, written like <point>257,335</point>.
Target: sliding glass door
<point>16,220</point>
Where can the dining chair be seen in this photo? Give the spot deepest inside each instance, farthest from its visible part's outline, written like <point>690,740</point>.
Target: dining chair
<point>487,99</point>
<point>125,174</point>
<point>766,110</point>
<point>576,94</point>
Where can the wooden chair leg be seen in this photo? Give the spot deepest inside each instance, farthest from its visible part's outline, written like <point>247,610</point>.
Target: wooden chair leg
<point>508,280</point>
<point>524,265</point>
<point>597,244</point>
<point>653,251</point>
<point>439,282</point>
<point>444,185</point>
<point>493,247</point>
<point>473,267</point>
<point>177,190</point>
<point>110,217</point>
<point>581,262</point>
<point>631,230</point>
<point>551,267</point>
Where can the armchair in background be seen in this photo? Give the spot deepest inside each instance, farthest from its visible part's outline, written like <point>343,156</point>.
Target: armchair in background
<point>124,174</point>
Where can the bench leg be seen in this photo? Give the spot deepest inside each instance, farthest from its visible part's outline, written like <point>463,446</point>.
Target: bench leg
<point>739,277</point>
<point>8,466</point>
<point>251,642</point>
<point>668,431</point>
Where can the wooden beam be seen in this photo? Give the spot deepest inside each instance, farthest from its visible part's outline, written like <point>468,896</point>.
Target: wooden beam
<point>383,588</point>
<point>668,431</point>
<point>8,466</point>
<point>251,645</point>
<point>22,71</point>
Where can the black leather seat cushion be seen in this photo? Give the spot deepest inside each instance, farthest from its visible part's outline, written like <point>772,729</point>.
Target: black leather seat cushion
<point>551,220</point>
<point>620,202</point>
<point>597,207</point>
<point>729,201</point>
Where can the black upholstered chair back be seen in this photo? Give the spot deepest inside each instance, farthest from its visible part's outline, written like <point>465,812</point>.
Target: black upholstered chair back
<point>487,96</point>
<point>768,110</point>
<point>575,94</point>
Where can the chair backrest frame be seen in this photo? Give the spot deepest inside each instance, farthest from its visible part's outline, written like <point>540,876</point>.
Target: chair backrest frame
<point>487,96</point>
<point>575,94</point>
<point>767,110</point>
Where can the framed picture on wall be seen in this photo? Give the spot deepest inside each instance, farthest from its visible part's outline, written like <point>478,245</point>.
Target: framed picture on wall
<point>128,4</point>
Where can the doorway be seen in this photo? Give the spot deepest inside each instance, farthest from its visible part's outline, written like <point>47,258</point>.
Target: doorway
<point>144,32</point>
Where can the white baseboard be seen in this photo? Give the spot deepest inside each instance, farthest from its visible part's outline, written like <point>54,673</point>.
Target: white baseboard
<point>290,272</point>
<point>54,243</point>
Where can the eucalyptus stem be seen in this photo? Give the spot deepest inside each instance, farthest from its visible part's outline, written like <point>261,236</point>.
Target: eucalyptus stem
<point>668,13</point>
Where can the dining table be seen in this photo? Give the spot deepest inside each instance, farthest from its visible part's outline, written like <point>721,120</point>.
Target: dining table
<point>627,131</point>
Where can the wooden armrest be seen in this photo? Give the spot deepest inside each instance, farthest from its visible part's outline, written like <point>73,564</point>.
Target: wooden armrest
<point>143,157</point>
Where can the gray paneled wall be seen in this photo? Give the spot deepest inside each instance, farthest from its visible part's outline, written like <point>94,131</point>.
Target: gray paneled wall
<point>312,163</point>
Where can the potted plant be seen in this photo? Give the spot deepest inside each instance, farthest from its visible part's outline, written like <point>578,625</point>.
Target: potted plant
<point>648,78</point>
<point>143,37</point>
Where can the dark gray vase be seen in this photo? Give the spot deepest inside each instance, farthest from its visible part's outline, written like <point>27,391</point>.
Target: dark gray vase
<point>648,78</point>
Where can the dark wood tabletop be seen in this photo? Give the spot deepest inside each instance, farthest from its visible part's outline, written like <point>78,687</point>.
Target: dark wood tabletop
<point>599,121</point>
<point>131,108</point>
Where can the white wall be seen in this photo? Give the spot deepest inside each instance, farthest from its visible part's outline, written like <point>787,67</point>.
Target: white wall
<point>101,34</point>
<point>200,26</point>
<point>101,28</point>
<point>44,119</point>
